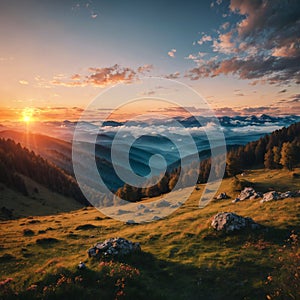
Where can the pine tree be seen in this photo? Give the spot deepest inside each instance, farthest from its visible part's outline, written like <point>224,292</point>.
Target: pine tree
<point>233,166</point>
<point>288,155</point>
<point>269,160</point>
<point>276,156</point>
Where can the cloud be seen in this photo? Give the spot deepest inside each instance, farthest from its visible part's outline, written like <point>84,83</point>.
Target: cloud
<point>172,52</point>
<point>205,38</point>
<point>266,69</point>
<point>225,44</point>
<point>145,68</point>
<point>23,82</point>
<point>76,77</point>
<point>294,99</point>
<point>225,25</point>
<point>174,75</point>
<point>110,75</point>
<point>197,58</point>
<point>262,45</point>
<point>101,77</point>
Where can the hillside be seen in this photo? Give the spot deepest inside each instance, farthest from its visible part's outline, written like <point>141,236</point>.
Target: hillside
<point>55,150</point>
<point>277,150</point>
<point>182,257</point>
<point>23,173</point>
<point>38,201</point>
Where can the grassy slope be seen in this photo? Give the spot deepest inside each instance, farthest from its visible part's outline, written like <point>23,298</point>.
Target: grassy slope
<point>182,257</point>
<point>52,149</point>
<point>40,201</point>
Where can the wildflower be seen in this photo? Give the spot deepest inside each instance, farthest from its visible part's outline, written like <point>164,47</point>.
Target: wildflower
<point>6,281</point>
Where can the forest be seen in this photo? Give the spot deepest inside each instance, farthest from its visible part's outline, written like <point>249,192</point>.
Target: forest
<point>280,149</point>
<point>16,161</point>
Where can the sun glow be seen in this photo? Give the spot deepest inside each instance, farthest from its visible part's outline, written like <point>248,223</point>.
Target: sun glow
<point>27,115</point>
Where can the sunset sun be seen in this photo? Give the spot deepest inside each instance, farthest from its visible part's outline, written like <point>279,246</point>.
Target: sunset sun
<point>27,115</point>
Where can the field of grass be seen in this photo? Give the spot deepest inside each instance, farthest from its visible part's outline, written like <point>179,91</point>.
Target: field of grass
<point>40,201</point>
<point>181,258</point>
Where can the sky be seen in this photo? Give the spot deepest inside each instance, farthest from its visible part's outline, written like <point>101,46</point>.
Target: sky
<point>242,56</point>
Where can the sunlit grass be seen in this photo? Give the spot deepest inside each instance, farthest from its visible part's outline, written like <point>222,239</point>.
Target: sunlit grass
<point>183,258</point>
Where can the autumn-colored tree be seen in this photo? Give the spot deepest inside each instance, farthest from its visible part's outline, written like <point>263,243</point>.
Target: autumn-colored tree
<point>276,155</point>
<point>233,165</point>
<point>269,160</point>
<point>288,155</point>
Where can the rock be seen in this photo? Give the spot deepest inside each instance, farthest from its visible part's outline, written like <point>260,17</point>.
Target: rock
<point>229,222</point>
<point>174,206</point>
<point>246,193</point>
<point>131,222</point>
<point>81,266</point>
<point>273,195</point>
<point>155,218</point>
<point>122,212</point>
<point>163,203</point>
<point>236,200</point>
<point>92,252</point>
<point>114,247</point>
<point>222,196</point>
<point>256,195</point>
<point>287,194</point>
<point>141,206</point>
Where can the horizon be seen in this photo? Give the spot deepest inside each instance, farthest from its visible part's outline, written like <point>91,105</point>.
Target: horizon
<point>241,57</point>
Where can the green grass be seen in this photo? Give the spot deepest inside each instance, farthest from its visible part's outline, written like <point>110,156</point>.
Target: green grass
<point>182,257</point>
<point>40,201</point>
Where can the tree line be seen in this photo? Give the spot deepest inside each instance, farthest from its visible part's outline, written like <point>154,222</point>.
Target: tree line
<point>16,160</point>
<point>280,149</point>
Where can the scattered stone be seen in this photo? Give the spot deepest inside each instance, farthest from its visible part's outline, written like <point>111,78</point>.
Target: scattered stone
<point>81,266</point>
<point>229,222</point>
<point>155,218</point>
<point>163,203</point>
<point>256,195</point>
<point>247,193</point>
<point>287,194</point>
<point>131,222</point>
<point>222,196</point>
<point>174,206</point>
<point>141,206</point>
<point>273,195</point>
<point>114,247</point>
<point>122,212</point>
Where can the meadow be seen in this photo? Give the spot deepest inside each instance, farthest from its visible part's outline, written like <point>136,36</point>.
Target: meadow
<point>181,258</point>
